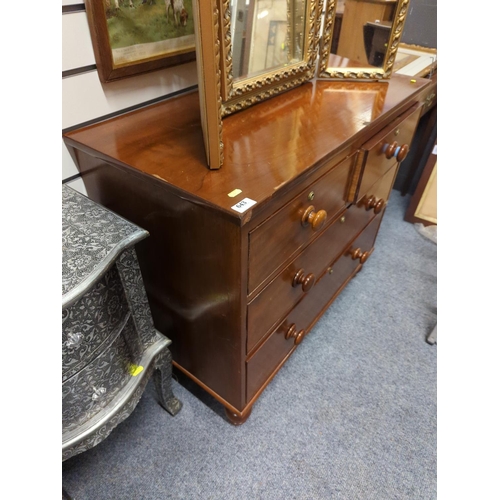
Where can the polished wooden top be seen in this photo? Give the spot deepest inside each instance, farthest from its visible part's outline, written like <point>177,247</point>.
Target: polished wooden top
<point>266,147</point>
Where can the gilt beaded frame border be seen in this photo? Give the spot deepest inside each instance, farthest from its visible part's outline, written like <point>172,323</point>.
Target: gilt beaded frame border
<point>324,72</point>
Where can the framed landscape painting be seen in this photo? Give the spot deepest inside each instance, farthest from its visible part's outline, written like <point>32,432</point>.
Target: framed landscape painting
<point>135,36</point>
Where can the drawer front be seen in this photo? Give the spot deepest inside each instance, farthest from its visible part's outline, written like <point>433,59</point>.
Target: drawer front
<point>91,321</point>
<point>280,295</point>
<point>330,284</point>
<point>297,223</point>
<point>267,359</point>
<point>91,389</point>
<point>274,351</point>
<point>397,135</point>
<point>377,196</point>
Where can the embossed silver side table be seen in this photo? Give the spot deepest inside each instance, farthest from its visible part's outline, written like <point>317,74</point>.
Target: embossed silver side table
<point>110,347</point>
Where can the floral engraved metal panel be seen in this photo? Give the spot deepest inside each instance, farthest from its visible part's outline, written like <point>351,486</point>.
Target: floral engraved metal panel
<point>90,234</point>
<point>91,321</point>
<point>104,430</point>
<point>107,328</point>
<point>91,389</point>
<point>130,273</point>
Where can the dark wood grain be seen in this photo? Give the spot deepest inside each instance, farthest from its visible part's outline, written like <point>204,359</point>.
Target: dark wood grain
<point>376,150</point>
<point>289,134</point>
<point>284,234</point>
<point>378,194</point>
<point>332,281</point>
<point>237,418</point>
<point>149,166</point>
<point>192,281</point>
<point>261,366</point>
<point>279,296</point>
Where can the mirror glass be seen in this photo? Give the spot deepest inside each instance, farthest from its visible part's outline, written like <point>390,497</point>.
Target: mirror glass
<point>361,38</point>
<point>268,47</point>
<point>362,31</point>
<point>266,35</point>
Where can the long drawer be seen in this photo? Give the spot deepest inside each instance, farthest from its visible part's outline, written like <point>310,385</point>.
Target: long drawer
<point>297,223</point>
<point>91,321</point>
<point>386,148</point>
<point>278,346</point>
<point>280,295</point>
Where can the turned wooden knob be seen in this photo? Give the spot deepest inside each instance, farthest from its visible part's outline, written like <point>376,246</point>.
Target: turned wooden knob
<point>390,150</point>
<point>371,202</point>
<point>379,205</point>
<point>398,152</point>
<point>403,152</point>
<point>315,219</point>
<point>359,254</point>
<point>298,336</point>
<point>306,280</point>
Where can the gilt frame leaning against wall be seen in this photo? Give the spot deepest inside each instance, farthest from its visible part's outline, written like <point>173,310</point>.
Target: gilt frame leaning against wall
<point>130,37</point>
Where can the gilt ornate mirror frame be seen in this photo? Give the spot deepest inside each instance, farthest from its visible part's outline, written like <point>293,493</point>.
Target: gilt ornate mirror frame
<point>242,93</point>
<point>360,73</point>
<point>220,93</point>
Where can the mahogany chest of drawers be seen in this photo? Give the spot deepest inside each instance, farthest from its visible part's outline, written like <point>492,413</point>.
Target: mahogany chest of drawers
<point>110,347</point>
<point>242,261</point>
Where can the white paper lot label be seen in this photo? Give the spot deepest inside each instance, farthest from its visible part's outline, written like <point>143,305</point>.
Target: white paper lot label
<point>243,205</point>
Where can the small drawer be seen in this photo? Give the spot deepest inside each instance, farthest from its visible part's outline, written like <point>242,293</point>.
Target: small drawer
<point>377,196</point>
<point>297,223</point>
<point>91,321</point>
<point>91,389</point>
<point>356,253</point>
<point>279,345</point>
<point>279,296</point>
<point>387,148</point>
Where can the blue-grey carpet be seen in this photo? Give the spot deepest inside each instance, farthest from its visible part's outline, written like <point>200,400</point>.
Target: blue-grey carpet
<point>351,415</point>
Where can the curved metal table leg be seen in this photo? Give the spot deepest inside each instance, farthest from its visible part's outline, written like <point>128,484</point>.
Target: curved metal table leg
<point>163,382</point>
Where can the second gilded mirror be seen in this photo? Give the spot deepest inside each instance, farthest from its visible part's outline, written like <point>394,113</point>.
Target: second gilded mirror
<point>360,38</point>
<point>251,50</point>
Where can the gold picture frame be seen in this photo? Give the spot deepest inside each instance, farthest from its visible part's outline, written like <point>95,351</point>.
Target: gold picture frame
<point>130,37</point>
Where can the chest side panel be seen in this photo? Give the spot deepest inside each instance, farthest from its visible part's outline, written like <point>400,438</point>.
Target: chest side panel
<point>191,265</point>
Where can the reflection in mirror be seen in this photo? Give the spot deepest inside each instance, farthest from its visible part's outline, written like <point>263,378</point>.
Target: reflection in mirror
<point>266,35</point>
<point>361,38</point>
<point>270,46</point>
<point>362,30</point>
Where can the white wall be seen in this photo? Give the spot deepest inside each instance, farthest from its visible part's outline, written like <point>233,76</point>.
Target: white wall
<point>85,98</point>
